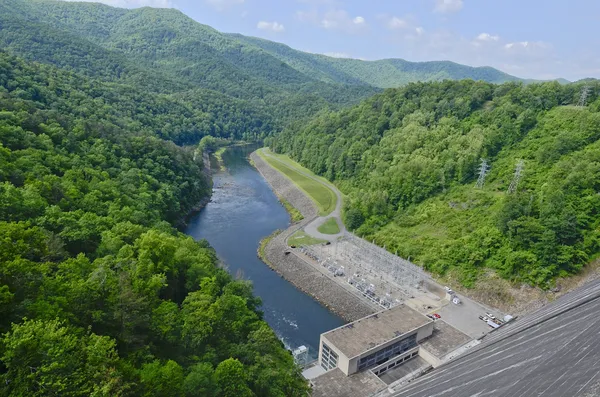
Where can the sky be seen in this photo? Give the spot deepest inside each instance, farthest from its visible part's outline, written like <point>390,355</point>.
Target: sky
<point>541,39</point>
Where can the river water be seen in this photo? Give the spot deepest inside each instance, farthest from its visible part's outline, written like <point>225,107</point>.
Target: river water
<point>242,212</point>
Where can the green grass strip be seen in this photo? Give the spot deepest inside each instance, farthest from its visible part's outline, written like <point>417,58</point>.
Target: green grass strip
<point>324,197</point>
<point>330,226</point>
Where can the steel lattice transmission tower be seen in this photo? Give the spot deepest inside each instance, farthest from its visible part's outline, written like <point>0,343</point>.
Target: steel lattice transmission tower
<point>584,96</point>
<point>484,168</point>
<point>518,173</point>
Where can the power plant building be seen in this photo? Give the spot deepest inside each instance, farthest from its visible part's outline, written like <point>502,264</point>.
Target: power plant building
<point>378,342</point>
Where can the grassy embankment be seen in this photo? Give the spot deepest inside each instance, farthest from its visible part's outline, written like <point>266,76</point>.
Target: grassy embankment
<point>295,215</point>
<point>263,244</point>
<point>330,226</point>
<point>323,197</point>
<point>219,157</point>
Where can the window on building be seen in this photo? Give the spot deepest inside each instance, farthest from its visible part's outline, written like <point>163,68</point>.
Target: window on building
<point>381,356</point>
<point>329,358</point>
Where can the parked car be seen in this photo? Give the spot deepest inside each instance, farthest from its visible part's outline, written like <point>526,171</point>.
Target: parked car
<point>436,315</point>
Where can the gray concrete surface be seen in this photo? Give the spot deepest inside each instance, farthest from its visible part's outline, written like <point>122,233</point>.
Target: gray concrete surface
<point>415,365</point>
<point>336,384</point>
<point>554,352</point>
<point>465,317</point>
<point>444,339</point>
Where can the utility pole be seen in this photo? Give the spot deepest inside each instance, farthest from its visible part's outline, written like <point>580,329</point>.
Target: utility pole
<point>518,173</point>
<point>585,92</point>
<point>484,168</point>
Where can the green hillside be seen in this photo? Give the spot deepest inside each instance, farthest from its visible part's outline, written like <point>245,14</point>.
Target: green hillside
<point>163,50</point>
<point>386,73</point>
<point>408,159</point>
<point>100,294</point>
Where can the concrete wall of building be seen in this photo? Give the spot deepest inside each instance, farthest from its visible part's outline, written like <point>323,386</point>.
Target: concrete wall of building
<point>430,358</point>
<point>422,332</point>
<point>343,361</point>
<point>425,331</point>
<point>353,365</point>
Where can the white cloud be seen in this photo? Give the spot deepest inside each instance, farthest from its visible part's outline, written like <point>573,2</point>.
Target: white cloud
<point>487,37</point>
<point>526,45</point>
<point>337,55</point>
<point>419,30</point>
<point>222,5</point>
<point>397,23</point>
<point>359,21</point>
<point>133,3</point>
<point>444,6</point>
<point>333,19</point>
<point>307,16</point>
<point>271,26</point>
<point>526,58</point>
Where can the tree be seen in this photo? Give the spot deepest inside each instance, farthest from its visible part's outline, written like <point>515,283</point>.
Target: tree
<point>199,381</point>
<point>48,358</point>
<point>162,380</point>
<point>231,379</point>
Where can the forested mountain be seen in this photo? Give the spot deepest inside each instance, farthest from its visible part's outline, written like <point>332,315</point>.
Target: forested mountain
<point>385,73</point>
<point>99,294</point>
<point>408,159</point>
<point>165,51</point>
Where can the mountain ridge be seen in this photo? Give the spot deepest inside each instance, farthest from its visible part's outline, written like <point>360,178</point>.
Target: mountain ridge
<point>246,58</point>
<point>363,71</point>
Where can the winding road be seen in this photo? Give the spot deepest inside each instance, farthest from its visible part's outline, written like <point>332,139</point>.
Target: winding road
<point>312,228</point>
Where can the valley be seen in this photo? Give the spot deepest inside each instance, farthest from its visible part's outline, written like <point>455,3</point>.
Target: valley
<point>186,212</point>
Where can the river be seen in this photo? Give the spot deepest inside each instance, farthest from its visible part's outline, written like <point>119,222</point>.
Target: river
<point>242,212</point>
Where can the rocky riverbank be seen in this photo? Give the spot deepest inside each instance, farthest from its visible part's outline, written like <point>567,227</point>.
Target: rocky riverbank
<point>294,269</point>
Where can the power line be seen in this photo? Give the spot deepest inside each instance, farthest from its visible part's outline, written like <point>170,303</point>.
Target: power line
<point>484,168</point>
<point>585,92</point>
<point>518,174</point>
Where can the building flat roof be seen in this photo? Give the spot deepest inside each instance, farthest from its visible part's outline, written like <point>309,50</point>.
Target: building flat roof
<point>335,383</point>
<point>374,330</point>
<point>444,339</point>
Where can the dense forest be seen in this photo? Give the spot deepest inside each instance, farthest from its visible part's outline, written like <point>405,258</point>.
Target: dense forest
<point>409,159</point>
<point>164,51</point>
<point>100,294</point>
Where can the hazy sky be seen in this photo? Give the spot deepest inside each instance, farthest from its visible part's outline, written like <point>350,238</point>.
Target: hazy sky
<point>527,38</point>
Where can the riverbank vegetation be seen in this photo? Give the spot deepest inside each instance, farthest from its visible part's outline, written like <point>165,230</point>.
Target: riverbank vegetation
<point>100,295</point>
<point>330,226</point>
<point>322,196</point>
<point>409,158</point>
<point>295,215</point>
<point>263,245</point>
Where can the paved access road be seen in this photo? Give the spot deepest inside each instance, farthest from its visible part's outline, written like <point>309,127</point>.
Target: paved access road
<point>312,227</point>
